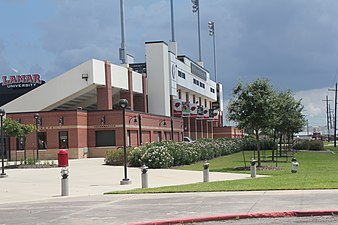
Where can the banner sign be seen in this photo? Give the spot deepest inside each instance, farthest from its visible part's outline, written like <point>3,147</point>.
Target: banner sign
<point>193,110</point>
<point>215,115</point>
<point>177,107</point>
<point>199,112</point>
<point>185,109</point>
<point>205,113</point>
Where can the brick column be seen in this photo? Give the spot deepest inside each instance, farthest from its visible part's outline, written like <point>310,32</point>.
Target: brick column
<point>105,94</point>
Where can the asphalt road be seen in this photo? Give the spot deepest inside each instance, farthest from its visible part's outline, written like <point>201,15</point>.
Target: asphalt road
<point>124,209</point>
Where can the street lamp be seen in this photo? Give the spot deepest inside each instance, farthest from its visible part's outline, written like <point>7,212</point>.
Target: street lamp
<point>123,103</point>
<point>37,118</point>
<point>140,127</point>
<point>3,174</point>
<point>196,8</point>
<point>211,26</point>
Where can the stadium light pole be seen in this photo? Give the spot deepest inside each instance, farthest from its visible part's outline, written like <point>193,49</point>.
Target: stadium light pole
<point>196,8</point>
<point>211,26</point>
<point>122,50</point>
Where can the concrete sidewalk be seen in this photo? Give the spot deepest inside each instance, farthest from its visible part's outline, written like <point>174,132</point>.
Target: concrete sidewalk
<point>90,177</point>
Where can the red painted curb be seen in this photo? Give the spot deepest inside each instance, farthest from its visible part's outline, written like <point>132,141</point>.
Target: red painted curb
<point>240,216</point>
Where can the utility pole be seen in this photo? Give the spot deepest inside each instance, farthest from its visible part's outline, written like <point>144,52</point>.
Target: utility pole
<point>327,117</point>
<point>330,116</point>
<point>335,116</point>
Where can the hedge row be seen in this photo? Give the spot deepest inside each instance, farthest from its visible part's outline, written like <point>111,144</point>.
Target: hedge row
<point>249,144</point>
<point>309,145</point>
<point>167,153</point>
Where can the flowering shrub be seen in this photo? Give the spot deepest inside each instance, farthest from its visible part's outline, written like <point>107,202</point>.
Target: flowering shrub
<point>168,153</point>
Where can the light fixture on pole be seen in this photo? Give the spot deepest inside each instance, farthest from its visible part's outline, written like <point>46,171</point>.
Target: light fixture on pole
<point>37,122</point>
<point>123,103</point>
<point>3,174</point>
<point>162,123</point>
<point>211,26</point>
<point>196,8</point>
<point>140,127</point>
<point>122,49</point>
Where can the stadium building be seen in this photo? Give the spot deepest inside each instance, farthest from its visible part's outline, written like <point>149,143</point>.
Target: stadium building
<point>169,97</point>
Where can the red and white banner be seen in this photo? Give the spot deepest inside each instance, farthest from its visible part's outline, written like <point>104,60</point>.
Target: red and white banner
<point>185,109</point>
<point>193,110</point>
<point>177,107</point>
<point>216,114</point>
<point>206,113</point>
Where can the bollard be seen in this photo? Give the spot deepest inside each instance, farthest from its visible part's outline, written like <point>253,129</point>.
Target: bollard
<point>64,181</point>
<point>253,168</point>
<point>206,171</point>
<point>294,165</point>
<point>144,176</point>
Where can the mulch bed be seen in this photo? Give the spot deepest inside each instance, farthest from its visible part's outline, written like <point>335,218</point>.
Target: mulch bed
<point>31,166</point>
<point>259,168</point>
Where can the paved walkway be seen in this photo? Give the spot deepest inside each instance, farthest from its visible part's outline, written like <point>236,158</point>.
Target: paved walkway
<point>38,192</point>
<point>91,177</point>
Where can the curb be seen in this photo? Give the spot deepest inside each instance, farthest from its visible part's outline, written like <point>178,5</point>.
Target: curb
<point>240,216</point>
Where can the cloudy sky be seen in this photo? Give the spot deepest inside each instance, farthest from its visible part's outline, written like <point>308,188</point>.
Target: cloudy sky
<point>293,43</point>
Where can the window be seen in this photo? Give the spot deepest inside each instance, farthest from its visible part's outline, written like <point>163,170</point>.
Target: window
<point>42,138</point>
<point>128,138</point>
<point>159,136</point>
<point>181,74</point>
<point>20,143</point>
<point>202,85</point>
<point>63,139</point>
<point>199,83</point>
<point>212,90</point>
<point>105,138</point>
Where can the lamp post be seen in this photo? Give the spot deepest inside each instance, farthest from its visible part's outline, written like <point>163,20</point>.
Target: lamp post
<point>37,118</point>
<point>3,174</point>
<point>211,26</point>
<point>196,8</point>
<point>140,127</point>
<point>123,103</point>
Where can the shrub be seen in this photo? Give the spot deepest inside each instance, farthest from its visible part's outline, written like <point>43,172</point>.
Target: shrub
<point>168,153</point>
<point>157,157</point>
<point>309,145</point>
<point>115,157</point>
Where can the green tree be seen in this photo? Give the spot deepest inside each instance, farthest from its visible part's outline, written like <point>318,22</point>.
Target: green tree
<point>252,107</point>
<point>18,130</point>
<point>288,117</point>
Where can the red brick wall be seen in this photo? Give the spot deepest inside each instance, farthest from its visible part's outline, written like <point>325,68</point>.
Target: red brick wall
<point>81,127</point>
<point>229,132</point>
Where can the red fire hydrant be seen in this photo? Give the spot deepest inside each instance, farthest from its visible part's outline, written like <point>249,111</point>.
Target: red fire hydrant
<point>62,158</point>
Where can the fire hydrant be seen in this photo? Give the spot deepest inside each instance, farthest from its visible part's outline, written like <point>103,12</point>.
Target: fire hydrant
<point>294,164</point>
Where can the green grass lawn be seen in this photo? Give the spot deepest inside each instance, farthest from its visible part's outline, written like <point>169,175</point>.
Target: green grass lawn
<point>317,170</point>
